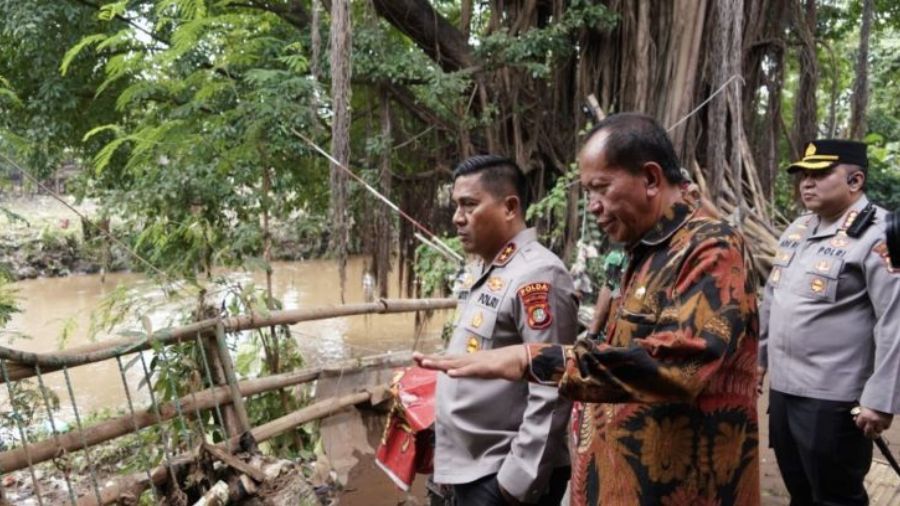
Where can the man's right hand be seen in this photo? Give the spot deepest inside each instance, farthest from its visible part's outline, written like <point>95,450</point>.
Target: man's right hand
<point>872,422</point>
<point>760,378</point>
<point>509,363</point>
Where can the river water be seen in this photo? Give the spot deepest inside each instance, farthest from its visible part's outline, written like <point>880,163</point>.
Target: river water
<point>51,306</point>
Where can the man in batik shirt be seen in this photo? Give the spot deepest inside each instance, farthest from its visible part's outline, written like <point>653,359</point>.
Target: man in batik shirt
<point>671,397</point>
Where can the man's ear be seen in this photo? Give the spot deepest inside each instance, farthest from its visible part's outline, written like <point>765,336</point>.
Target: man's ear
<point>856,180</point>
<point>511,205</point>
<point>653,178</point>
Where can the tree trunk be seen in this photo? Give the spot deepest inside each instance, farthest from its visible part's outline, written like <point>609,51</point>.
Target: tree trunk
<point>805,117</point>
<point>764,41</point>
<point>717,141</point>
<point>860,99</point>
<point>384,237</point>
<point>340,131</point>
<point>831,125</point>
<point>315,39</point>
<point>662,58</point>
<point>465,17</point>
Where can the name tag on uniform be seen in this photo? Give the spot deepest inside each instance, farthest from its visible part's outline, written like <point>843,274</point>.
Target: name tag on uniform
<point>488,300</point>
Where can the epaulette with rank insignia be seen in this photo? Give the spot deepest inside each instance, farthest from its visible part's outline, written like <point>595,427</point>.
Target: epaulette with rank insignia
<point>505,254</point>
<point>858,223</point>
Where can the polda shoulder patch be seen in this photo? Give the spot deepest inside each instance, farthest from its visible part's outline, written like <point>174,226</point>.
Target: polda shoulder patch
<point>536,300</point>
<point>881,250</point>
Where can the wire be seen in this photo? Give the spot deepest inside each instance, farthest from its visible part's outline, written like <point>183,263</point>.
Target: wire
<point>442,247</point>
<point>688,115</point>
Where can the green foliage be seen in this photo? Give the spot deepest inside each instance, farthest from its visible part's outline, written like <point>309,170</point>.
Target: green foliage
<point>25,407</point>
<point>206,96</point>
<point>263,352</point>
<point>8,305</point>
<point>884,172</point>
<point>554,207</point>
<point>50,112</point>
<point>537,49</point>
<point>6,93</point>
<point>434,270</point>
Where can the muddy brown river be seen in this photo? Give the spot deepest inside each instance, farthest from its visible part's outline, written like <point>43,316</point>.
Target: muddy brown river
<point>54,306</point>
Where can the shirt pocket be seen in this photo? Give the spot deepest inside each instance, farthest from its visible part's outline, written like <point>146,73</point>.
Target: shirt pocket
<point>478,324</point>
<point>820,279</point>
<point>782,260</point>
<point>784,257</point>
<point>633,325</point>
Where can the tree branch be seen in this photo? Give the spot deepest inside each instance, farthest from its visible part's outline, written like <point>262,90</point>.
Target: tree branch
<point>445,44</point>
<point>294,14</point>
<point>127,21</point>
<point>409,102</point>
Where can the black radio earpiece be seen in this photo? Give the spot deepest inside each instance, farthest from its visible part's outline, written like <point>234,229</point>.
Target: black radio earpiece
<point>856,180</point>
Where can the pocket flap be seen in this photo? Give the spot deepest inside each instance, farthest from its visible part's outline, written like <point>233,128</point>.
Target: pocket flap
<point>478,320</point>
<point>783,257</point>
<point>827,267</point>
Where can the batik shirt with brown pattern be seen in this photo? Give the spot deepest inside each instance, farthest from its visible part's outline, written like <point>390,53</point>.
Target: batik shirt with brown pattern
<point>670,398</point>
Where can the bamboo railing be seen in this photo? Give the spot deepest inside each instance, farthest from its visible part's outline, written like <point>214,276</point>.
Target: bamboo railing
<point>226,395</point>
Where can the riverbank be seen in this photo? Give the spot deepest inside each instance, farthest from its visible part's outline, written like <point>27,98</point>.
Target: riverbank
<point>41,237</point>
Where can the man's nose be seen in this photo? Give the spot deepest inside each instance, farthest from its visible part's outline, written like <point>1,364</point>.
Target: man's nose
<point>458,217</point>
<point>594,204</point>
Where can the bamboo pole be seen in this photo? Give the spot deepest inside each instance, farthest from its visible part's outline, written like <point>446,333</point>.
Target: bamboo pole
<point>18,458</point>
<point>135,484</point>
<point>230,420</point>
<point>105,350</point>
<point>237,400</point>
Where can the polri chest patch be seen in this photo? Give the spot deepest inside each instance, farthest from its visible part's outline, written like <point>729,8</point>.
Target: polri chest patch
<point>489,301</point>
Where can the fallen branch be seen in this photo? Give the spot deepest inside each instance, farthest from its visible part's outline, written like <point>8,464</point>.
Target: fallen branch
<point>137,483</point>
<point>233,462</point>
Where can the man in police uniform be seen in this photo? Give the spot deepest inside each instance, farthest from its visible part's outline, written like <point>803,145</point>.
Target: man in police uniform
<point>501,442</point>
<point>830,331</point>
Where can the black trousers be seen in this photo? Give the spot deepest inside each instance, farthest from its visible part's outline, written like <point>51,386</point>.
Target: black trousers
<point>486,491</point>
<point>822,454</point>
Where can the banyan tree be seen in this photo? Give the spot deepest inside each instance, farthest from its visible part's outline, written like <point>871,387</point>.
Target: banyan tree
<point>711,71</point>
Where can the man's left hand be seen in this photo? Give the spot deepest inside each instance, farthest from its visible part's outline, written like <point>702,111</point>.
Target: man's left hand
<point>509,498</point>
<point>509,363</point>
<point>872,422</point>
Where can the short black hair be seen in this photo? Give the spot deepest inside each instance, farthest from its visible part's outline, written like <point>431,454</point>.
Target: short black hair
<point>635,139</point>
<point>498,175</point>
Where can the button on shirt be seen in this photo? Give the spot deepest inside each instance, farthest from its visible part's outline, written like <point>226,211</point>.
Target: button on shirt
<point>514,429</point>
<point>830,318</point>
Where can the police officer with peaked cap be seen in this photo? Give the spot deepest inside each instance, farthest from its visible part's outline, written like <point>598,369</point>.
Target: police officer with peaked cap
<point>830,330</point>
<point>501,442</point>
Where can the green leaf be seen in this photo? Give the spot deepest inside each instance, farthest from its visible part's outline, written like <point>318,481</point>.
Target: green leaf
<point>109,11</point>
<point>102,128</point>
<point>103,157</point>
<point>77,49</point>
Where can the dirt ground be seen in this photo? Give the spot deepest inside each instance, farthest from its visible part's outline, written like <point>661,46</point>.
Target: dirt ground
<point>772,488</point>
<point>369,486</point>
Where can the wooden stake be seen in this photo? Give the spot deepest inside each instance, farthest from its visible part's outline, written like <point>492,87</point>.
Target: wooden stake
<point>234,462</point>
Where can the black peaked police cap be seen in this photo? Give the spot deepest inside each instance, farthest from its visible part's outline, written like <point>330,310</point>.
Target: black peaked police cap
<point>826,153</point>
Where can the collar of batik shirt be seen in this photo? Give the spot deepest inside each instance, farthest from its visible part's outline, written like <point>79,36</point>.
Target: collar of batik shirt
<point>672,219</point>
